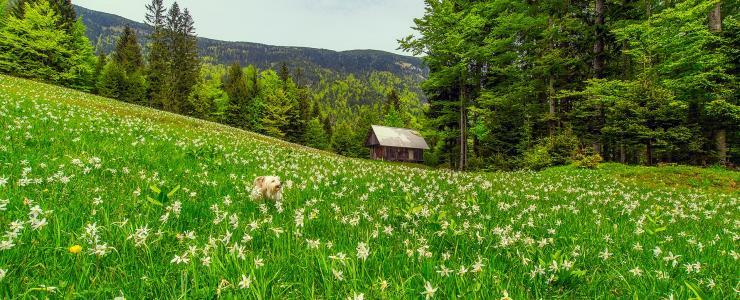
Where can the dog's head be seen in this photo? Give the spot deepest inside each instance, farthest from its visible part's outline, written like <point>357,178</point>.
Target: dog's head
<point>270,184</point>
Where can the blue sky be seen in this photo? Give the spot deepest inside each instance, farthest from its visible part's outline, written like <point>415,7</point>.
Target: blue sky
<point>330,24</point>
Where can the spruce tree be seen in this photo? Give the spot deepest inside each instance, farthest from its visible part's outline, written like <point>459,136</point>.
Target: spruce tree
<point>185,63</point>
<point>235,86</point>
<point>284,73</point>
<point>158,70</point>
<point>315,135</point>
<point>128,51</point>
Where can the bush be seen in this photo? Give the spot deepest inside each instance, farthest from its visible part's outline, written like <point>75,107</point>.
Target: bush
<point>562,147</point>
<point>552,151</point>
<point>537,158</point>
<point>587,161</point>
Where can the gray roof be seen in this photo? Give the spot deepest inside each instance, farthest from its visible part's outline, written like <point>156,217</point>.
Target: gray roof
<point>399,137</point>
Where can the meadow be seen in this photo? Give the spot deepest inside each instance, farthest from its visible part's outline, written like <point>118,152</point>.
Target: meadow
<point>101,199</point>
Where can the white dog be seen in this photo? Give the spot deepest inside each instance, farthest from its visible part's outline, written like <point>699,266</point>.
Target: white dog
<point>267,187</point>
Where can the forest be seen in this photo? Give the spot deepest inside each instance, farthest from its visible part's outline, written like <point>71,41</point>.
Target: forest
<point>512,84</point>
<point>533,84</point>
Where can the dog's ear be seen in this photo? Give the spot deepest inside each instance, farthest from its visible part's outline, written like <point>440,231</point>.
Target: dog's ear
<point>259,181</point>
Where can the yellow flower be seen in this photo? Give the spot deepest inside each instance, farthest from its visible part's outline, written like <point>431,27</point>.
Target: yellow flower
<point>75,249</point>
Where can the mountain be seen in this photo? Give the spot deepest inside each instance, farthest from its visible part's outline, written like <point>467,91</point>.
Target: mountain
<point>103,28</point>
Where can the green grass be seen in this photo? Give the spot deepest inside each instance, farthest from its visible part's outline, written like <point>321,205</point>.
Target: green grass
<point>88,162</point>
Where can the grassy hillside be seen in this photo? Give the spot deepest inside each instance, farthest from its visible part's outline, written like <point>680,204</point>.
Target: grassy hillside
<point>76,171</point>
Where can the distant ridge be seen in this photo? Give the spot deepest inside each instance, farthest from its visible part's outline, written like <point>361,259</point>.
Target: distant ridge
<point>103,28</point>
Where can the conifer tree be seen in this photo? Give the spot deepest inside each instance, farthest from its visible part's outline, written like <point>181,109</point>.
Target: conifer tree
<point>315,135</point>
<point>62,8</point>
<point>128,51</point>
<point>185,64</point>
<point>284,73</point>
<point>236,87</point>
<point>158,70</point>
<point>35,46</point>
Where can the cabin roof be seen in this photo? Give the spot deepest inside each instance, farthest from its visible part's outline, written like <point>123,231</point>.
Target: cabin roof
<point>399,137</point>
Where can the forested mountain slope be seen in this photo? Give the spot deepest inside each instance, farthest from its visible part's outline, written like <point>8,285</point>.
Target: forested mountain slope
<point>104,28</point>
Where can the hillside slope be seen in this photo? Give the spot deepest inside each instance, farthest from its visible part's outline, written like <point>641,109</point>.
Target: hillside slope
<point>76,172</point>
<point>106,27</point>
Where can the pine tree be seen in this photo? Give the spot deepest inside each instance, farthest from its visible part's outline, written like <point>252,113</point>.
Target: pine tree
<point>123,77</point>
<point>235,86</point>
<point>185,63</point>
<point>100,63</point>
<point>328,127</point>
<point>158,68</point>
<point>315,135</point>
<point>284,73</point>
<point>128,51</point>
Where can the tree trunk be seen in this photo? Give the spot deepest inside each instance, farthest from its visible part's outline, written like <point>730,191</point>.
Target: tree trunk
<point>649,152</point>
<point>598,63</point>
<point>715,25</point>
<point>622,154</point>
<point>715,18</point>
<point>598,67</point>
<point>463,127</point>
<point>553,108</point>
<point>721,140</point>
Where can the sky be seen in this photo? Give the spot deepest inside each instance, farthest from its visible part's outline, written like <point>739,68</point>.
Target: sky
<point>329,24</point>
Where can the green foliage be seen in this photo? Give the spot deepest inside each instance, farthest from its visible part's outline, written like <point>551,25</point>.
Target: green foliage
<point>115,82</point>
<point>208,100</point>
<point>723,113</point>
<point>587,161</point>
<point>633,80</point>
<point>34,46</point>
<point>538,157</point>
<point>315,137</point>
<point>556,150</point>
<point>123,76</point>
<point>128,51</point>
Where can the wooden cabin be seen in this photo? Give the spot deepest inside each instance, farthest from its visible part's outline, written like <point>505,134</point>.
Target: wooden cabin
<point>395,144</point>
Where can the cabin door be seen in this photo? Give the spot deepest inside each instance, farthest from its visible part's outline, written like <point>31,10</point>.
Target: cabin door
<point>378,152</point>
<point>411,155</point>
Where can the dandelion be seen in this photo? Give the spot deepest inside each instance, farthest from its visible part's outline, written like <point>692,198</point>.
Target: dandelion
<point>636,271</point>
<point>3,181</point>
<point>429,290</point>
<point>356,296</point>
<point>76,249</point>
<point>206,261</point>
<point>3,272</point>
<point>605,254</point>
<point>245,282</point>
